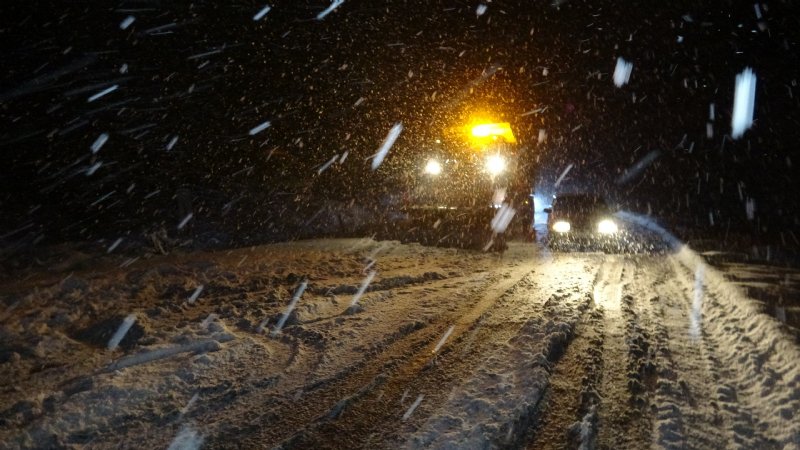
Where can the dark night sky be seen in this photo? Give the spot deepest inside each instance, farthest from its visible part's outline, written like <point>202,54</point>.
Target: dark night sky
<point>340,84</point>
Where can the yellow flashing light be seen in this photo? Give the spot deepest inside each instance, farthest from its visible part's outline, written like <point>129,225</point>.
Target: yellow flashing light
<point>492,131</point>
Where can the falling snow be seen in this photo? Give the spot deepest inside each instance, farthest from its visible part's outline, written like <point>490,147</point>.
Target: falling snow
<point>123,329</point>
<point>261,13</point>
<point>103,93</point>
<point>622,72</point>
<point>744,102</point>
<point>259,128</point>
<point>394,133</point>
<point>329,9</point>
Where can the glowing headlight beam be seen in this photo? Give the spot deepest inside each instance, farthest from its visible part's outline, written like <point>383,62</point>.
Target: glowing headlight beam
<point>561,226</point>
<point>433,167</point>
<point>495,164</point>
<point>607,226</point>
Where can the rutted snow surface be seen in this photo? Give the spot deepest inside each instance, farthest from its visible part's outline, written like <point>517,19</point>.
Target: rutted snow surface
<point>443,349</point>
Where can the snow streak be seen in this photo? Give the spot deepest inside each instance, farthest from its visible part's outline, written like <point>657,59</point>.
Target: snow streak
<point>260,15</point>
<point>387,144</point>
<point>290,308</point>
<point>185,220</point>
<point>638,167</point>
<point>172,143</point>
<point>444,338</point>
<point>187,439</point>
<point>502,218</point>
<point>363,287</point>
<point>563,174</point>
<point>91,170</point>
<point>121,331</point>
<point>189,405</point>
<point>325,166</point>
<point>744,102</point>
<point>103,93</point>
<point>622,72</point>
<point>750,208</point>
<point>126,22</point>
<point>114,245</point>
<point>413,407</point>
<point>98,143</point>
<point>329,9</point>
<point>198,290</point>
<point>259,128</point>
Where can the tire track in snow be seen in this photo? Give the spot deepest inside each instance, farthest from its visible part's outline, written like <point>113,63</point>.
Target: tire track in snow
<point>496,405</point>
<point>374,421</point>
<point>683,372</point>
<point>302,372</point>
<point>300,422</point>
<point>620,423</point>
<point>572,392</point>
<point>737,408</point>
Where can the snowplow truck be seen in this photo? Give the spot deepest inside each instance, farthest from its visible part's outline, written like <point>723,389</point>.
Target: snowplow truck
<point>472,189</point>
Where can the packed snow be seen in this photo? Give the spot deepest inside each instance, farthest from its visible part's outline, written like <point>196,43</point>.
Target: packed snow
<point>383,344</point>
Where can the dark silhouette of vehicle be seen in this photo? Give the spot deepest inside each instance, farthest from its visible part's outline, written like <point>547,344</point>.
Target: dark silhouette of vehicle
<point>471,190</point>
<point>581,221</point>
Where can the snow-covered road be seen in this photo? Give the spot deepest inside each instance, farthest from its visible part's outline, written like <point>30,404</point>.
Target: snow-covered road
<point>364,344</point>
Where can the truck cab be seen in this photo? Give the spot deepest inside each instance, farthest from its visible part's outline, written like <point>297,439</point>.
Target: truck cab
<point>470,188</point>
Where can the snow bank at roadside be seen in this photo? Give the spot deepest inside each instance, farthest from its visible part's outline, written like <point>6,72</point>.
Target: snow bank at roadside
<point>763,353</point>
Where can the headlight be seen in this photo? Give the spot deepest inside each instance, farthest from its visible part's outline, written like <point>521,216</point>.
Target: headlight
<point>433,167</point>
<point>561,226</point>
<point>495,164</point>
<point>607,226</point>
